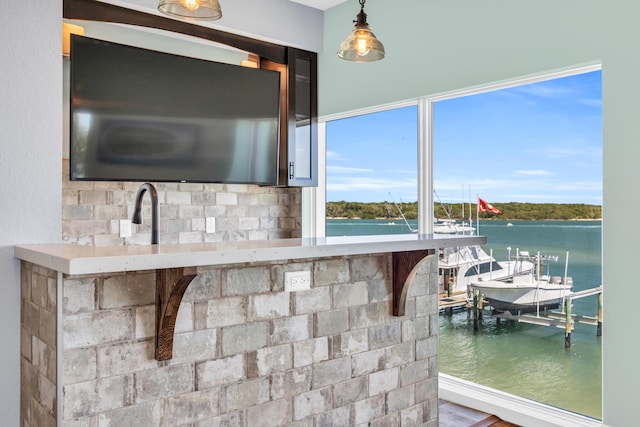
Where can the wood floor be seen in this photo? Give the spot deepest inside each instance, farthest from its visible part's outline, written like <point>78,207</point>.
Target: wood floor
<point>452,415</point>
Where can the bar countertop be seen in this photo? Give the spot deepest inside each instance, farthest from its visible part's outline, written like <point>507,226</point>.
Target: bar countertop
<point>78,259</point>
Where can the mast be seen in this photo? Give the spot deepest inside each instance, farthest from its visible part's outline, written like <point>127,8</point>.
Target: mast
<point>402,214</point>
<point>462,216</point>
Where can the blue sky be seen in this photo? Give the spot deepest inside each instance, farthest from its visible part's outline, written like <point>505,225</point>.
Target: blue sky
<point>537,143</point>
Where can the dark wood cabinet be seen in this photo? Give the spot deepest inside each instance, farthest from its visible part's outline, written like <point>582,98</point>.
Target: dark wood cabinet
<point>299,118</point>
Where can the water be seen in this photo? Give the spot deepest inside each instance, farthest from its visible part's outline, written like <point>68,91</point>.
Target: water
<point>359,227</point>
<point>525,360</point>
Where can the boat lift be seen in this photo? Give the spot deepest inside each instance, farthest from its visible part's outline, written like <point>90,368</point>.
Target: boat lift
<point>560,319</point>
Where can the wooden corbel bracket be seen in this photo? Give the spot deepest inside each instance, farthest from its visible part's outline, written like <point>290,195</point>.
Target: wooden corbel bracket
<point>405,267</point>
<point>171,284</point>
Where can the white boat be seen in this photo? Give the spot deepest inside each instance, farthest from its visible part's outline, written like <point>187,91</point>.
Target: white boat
<point>461,266</point>
<point>449,226</point>
<point>526,293</point>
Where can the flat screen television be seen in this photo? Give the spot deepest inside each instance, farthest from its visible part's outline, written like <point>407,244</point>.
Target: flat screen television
<point>143,115</point>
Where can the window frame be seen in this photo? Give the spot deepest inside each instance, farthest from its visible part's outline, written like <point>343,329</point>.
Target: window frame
<point>519,410</point>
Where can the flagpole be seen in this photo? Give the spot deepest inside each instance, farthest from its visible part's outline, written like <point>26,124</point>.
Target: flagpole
<point>477,214</point>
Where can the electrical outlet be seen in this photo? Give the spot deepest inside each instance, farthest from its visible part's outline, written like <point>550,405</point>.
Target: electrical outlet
<point>210,224</point>
<point>125,228</point>
<point>295,281</point>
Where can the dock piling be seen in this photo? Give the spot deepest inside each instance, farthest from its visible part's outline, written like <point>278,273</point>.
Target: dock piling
<point>475,309</point>
<point>599,327</point>
<point>567,330</point>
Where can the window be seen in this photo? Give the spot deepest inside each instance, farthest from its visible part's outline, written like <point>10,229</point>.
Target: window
<point>552,156</point>
<point>483,268</point>
<point>535,152</point>
<point>371,183</point>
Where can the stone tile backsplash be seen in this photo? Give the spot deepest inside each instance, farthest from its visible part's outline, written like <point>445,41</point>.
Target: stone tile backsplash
<point>92,210</point>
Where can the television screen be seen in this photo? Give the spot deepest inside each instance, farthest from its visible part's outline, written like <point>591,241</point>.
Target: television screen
<point>143,115</point>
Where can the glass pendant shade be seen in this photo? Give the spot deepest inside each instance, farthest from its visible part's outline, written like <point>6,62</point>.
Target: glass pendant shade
<point>361,45</point>
<point>198,10</point>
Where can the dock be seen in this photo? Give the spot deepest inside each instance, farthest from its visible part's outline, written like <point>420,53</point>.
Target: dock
<point>453,302</point>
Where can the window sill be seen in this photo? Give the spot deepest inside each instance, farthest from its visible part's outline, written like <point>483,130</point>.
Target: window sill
<point>508,407</point>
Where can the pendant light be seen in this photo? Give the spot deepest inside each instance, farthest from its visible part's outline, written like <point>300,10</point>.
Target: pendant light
<point>197,10</point>
<point>361,45</point>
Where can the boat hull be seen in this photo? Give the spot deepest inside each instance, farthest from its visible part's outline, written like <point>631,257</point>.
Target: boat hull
<point>522,297</point>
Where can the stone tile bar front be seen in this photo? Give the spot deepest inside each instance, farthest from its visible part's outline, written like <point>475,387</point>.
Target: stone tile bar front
<point>244,352</point>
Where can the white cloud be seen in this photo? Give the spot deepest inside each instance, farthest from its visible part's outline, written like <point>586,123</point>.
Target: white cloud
<point>453,185</point>
<point>534,172</point>
<point>368,184</point>
<point>544,90</point>
<point>347,170</point>
<point>591,186</point>
<point>412,172</point>
<point>532,189</point>
<point>334,155</point>
<point>591,102</point>
<point>568,152</point>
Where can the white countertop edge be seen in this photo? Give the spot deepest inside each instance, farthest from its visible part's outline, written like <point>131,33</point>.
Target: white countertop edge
<point>78,260</point>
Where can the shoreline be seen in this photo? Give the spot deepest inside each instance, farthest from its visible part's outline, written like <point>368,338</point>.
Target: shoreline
<point>511,211</point>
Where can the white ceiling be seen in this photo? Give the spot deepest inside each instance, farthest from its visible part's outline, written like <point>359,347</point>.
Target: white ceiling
<point>319,4</point>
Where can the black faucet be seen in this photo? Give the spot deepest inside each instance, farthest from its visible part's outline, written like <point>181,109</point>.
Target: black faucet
<point>137,213</point>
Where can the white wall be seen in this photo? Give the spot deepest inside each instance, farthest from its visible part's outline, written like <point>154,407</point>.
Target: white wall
<point>435,47</point>
<point>30,166</point>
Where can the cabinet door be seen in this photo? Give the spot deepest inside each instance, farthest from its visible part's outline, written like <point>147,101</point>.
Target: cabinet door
<point>302,119</point>
<point>298,161</point>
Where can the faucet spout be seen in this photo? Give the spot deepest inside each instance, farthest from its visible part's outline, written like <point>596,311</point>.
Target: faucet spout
<point>137,213</point>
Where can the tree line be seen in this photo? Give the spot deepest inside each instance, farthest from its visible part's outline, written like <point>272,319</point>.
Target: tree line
<point>510,210</point>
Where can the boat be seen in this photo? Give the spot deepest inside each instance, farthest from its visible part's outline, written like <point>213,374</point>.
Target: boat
<point>460,266</point>
<point>450,226</point>
<point>526,293</point>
